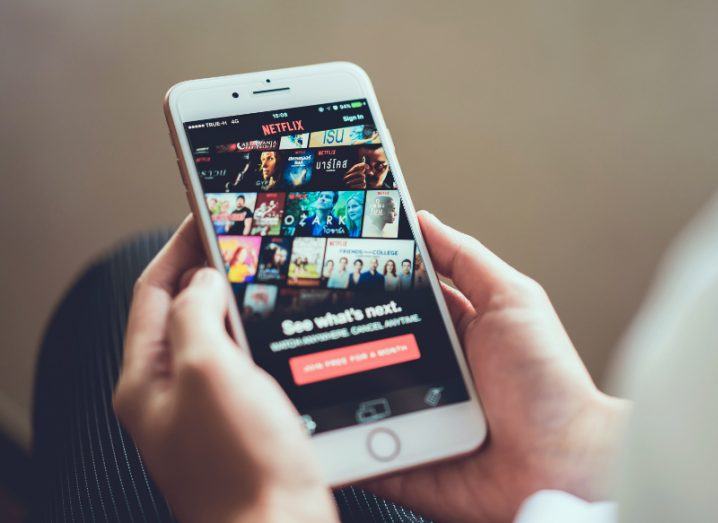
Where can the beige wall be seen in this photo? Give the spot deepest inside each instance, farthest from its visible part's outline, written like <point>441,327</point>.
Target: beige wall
<point>573,137</point>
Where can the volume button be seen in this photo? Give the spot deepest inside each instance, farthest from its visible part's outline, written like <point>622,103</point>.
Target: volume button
<point>174,147</point>
<point>172,143</point>
<point>179,168</point>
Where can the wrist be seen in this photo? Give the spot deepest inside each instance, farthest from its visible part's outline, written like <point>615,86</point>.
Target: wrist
<point>308,506</point>
<point>603,433</point>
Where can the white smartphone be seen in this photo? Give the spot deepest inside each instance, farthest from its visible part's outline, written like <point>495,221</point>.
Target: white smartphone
<point>295,183</point>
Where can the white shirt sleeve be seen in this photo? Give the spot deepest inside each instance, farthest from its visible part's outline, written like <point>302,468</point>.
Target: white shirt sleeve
<point>554,506</point>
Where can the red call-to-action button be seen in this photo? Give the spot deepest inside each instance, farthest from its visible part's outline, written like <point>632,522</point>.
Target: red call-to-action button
<point>361,357</point>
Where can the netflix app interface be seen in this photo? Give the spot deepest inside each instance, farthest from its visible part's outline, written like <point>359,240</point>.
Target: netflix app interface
<point>333,293</point>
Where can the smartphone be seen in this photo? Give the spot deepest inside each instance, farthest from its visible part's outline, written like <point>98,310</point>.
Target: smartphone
<point>295,184</point>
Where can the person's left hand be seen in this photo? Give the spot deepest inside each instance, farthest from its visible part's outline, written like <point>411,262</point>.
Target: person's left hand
<point>218,434</point>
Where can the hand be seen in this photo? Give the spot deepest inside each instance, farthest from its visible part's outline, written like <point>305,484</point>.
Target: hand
<point>218,434</point>
<point>549,426</point>
<point>356,176</point>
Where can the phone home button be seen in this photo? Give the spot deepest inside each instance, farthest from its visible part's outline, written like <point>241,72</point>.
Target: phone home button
<point>383,444</point>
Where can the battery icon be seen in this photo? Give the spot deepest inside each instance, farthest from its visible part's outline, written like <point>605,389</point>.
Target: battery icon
<point>356,104</point>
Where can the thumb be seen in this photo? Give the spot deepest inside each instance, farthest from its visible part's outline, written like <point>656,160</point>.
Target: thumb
<point>475,270</point>
<point>198,313</point>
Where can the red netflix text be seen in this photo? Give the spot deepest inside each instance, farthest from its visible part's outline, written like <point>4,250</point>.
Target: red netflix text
<point>282,127</point>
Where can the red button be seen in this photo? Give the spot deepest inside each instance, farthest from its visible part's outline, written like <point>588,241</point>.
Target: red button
<point>361,357</point>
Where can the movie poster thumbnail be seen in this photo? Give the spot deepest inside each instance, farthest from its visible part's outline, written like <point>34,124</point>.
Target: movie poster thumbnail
<point>246,146</point>
<point>368,265</point>
<point>381,214</point>
<point>237,171</point>
<point>324,213</point>
<point>294,141</point>
<point>305,266</point>
<point>240,255</point>
<point>225,174</point>
<point>357,167</point>
<point>330,166</point>
<point>353,135</point>
<point>268,171</point>
<point>305,301</point>
<point>298,169</point>
<point>268,213</point>
<point>369,169</point>
<point>231,213</point>
<point>274,259</point>
<point>259,301</point>
<point>421,278</point>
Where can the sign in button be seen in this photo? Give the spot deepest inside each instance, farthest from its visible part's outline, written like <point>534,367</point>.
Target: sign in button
<point>361,357</point>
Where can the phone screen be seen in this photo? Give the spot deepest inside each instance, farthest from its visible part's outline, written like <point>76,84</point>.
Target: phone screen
<point>332,290</point>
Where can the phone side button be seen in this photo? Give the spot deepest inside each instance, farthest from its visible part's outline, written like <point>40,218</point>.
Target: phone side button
<point>179,168</point>
<point>383,444</point>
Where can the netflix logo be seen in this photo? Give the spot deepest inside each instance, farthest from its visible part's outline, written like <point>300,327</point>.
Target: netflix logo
<point>282,127</point>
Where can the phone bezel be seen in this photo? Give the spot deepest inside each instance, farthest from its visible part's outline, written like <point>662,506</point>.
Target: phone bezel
<point>344,454</point>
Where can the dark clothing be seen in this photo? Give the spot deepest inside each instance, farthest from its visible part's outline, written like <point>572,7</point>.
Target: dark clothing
<point>239,218</point>
<point>86,467</point>
<point>353,284</point>
<point>371,282</point>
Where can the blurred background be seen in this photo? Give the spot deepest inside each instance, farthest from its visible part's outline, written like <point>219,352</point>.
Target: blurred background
<point>575,138</point>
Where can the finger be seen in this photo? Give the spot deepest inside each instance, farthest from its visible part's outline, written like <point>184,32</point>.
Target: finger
<point>460,309</point>
<point>153,292</point>
<point>187,277</point>
<point>182,252</point>
<point>476,271</point>
<point>197,316</point>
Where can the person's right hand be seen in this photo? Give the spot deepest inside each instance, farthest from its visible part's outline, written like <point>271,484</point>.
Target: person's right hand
<point>549,426</point>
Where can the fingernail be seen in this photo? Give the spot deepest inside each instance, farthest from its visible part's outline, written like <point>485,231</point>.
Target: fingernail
<point>430,215</point>
<point>205,276</point>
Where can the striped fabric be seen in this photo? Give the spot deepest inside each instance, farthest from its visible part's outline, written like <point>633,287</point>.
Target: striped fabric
<point>86,467</point>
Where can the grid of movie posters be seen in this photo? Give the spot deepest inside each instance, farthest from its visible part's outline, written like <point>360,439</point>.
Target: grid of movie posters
<point>323,262</point>
<point>308,217</point>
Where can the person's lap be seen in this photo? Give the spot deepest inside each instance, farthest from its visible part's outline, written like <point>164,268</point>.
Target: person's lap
<point>86,466</point>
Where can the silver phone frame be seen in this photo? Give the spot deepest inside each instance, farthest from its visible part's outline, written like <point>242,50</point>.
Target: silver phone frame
<point>462,426</point>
